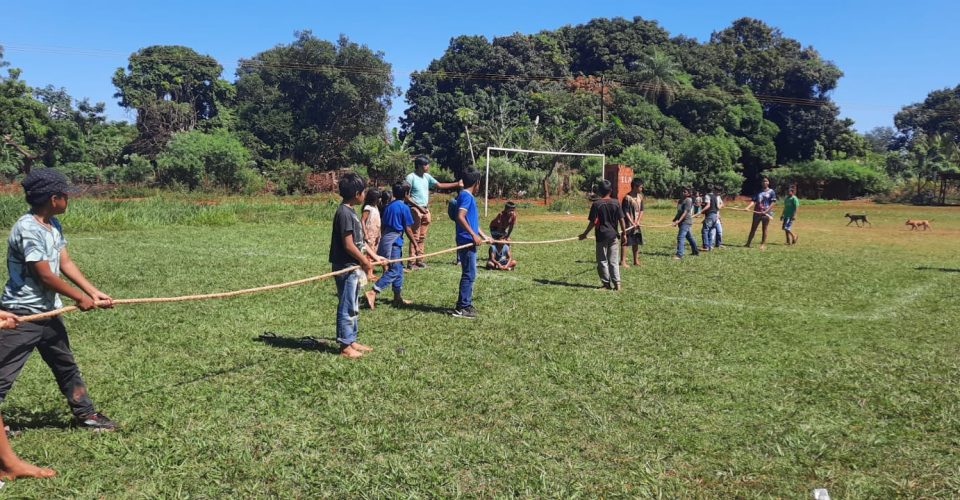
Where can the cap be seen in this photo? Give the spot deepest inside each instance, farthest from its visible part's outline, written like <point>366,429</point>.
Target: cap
<point>41,183</point>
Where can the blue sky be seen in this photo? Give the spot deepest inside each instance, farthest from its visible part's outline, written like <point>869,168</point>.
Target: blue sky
<point>892,53</point>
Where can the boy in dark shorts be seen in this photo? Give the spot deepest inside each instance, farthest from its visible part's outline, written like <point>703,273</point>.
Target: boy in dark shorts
<point>632,207</point>
<point>36,257</point>
<point>347,250</point>
<point>607,217</point>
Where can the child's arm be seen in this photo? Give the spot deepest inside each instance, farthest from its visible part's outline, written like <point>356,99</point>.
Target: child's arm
<point>41,269</point>
<point>586,231</point>
<point>478,239</point>
<point>508,231</point>
<point>413,239</point>
<point>363,217</point>
<point>355,252</point>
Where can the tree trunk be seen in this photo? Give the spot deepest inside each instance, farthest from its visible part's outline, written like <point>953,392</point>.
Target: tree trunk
<point>473,159</point>
<point>546,179</point>
<point>28,157</point>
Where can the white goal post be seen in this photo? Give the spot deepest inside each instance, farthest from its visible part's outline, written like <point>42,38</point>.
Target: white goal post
<point>486,194</point>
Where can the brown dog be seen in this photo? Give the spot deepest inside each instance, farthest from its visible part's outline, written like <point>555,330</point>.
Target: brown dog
<point>915,223</point>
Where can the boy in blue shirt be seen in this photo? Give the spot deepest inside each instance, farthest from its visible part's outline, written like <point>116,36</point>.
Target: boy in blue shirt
<point>468,231</point>
<point>36,256</point>
<point>347,250</point>
<point>396,220</point>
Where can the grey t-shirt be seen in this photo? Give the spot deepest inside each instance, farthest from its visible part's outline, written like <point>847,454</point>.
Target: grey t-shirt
<point>31,241</point>
<point>685,211</point>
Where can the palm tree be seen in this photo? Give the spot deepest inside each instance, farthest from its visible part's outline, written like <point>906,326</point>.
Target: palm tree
<point>659,76</point>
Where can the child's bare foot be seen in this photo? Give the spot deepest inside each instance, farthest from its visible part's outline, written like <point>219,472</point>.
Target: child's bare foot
<point>350,352</point>
<point>371,297</point>
<point>636,262</point>
<point>763,247</point>
<point>624,265</point>
<point>360,347</point>
<point>795,238</point>
<point>24,469</point>
<point>617,287</point>
<point>400,302</point>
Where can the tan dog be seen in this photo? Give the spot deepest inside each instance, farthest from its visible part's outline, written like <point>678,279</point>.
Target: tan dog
<point>915,223</point>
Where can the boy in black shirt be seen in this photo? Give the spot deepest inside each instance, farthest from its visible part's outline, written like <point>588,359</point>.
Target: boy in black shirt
<point>346,250</point>
<point>606,216</point>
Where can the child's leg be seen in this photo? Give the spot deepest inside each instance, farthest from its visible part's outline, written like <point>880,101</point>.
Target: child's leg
<point>763,237</point>
<point>348,312</point>
<point>636,251</point>
<point>693,242</point>
<point>614,263</point>
<point>603,257</point>
<point>12,466</point>
<point>753,229</point>
<point>718,240</point>
<point>680,241</point>
<point>54,348</point>
<point>468,273</point>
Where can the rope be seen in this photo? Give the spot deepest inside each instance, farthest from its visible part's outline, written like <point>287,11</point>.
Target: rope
<point>246,291</point>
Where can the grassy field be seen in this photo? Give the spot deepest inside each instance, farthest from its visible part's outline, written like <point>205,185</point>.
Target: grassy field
<point>740,373</point>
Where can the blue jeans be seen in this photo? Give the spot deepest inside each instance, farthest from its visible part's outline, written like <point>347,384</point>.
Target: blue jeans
<point>709,230</point>
<point>686,233</point>
<point>348,309</point>
<point>719,232</point>
<point>392,249</point>
<point>468,267</point>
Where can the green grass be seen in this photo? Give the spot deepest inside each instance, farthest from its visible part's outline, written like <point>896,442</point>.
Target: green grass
<point>739,373</point>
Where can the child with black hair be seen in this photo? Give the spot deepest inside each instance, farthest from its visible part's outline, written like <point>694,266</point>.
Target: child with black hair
<point>347,245</point>
<point>607,216</point>
<point>397,221</point>
<point>467,220</point>
<point>501,227</point>
<point>370,218</point>
<point>632,208</point>
<point>36,257</point>
<point>684,220</point>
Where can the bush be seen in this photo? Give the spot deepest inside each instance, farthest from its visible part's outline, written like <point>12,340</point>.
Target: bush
<point>81,172</point>
<point>838,179</point>
<point>194,159</point>
<point>509,179</point>
<point>137,170</point>
<point>287,176</point>
<point>660,177</point>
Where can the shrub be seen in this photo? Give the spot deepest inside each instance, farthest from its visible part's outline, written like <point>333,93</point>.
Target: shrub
<point>660,177</point>
<point>213,159</point>
<point>137,170</point>
<point>509,179</point>
<point>287,176</point>
<point>843,179</point>
<point>81,172</point>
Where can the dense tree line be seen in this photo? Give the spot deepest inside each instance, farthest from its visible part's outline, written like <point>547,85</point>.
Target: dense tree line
<point>679,111</point>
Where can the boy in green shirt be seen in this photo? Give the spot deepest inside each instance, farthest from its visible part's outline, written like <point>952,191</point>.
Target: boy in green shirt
<point>790,214</point>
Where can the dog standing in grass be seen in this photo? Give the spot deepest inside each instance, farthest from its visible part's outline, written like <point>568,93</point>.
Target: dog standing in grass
<point>917,223</point>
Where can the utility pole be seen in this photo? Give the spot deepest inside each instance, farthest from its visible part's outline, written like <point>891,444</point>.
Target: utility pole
<point>602,88</point>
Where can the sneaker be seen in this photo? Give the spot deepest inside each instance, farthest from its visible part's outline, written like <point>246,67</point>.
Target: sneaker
<point>95,421</point>
<point>467,312</point>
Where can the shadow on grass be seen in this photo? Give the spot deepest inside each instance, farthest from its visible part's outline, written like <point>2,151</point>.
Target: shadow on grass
<point>941,269</point>
<point>302,343</point>
<point>427,308</point>
<point>19,419</point>
<point>198,378</point>
<point>565,283</point>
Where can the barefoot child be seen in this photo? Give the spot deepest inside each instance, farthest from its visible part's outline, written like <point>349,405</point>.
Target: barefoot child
<point>762,206</point>
<point>397,220</point>
<point>12,466</point>
<point>684,221</point>
<point>790,206</point>
<point>371,222</point>
<point>347,250</point>
<point>468,231</point>
<point>500,258</point>
<point>36,256</point>
<point>632,208</point>
<point>607,217</point>
<point>502,225</point>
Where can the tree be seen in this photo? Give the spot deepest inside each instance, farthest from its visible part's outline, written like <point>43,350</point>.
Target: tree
<point>306,101</point>
<point>658,75</point>
<point>172,88</point>
<point>713,161</point>
<point>880,139</point>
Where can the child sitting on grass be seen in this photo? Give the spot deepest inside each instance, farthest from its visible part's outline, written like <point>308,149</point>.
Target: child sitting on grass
<point>397,220</point>
<point>36,256</point>
<point>500,258</point>
<point>346,250</point>
<point>502,225</point>
<point>606,216</point>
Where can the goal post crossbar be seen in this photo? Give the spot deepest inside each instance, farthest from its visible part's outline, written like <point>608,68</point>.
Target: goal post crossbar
<point>486,194</point>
